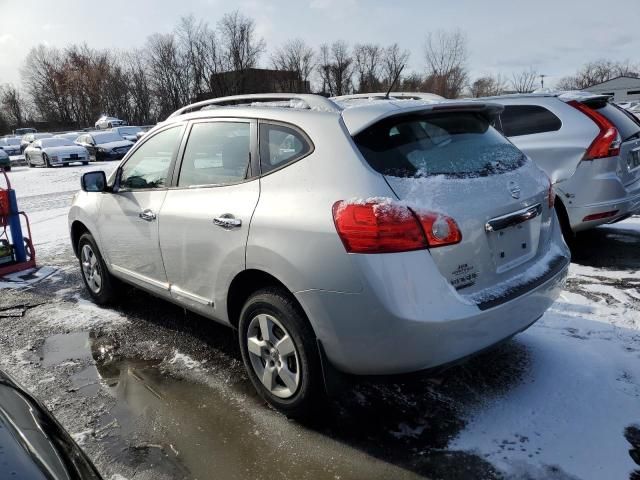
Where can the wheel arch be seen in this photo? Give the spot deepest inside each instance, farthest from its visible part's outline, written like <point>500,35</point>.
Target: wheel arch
<point>247,282</point>
<point>77,230</point>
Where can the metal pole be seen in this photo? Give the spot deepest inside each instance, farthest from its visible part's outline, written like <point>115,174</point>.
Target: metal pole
<point>16,228</point>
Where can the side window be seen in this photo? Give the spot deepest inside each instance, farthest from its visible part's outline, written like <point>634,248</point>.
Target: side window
<point>280,145</point>
<point>216,153</point>
<point>148,167</point>
<point>528,119</point>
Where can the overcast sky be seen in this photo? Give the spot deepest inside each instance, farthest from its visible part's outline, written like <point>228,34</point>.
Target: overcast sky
<point>555,37</point>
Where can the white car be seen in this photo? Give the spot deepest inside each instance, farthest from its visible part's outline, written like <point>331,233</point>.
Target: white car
<point>128,133</point>
<point>69,135</point>
<point>55,151</point>
<point>105,122</point>
<point>10,145</point>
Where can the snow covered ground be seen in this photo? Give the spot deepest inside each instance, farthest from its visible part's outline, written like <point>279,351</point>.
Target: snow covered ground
<point>563,418</point>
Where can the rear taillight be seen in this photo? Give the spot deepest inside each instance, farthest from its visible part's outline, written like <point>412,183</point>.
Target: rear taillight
<point>384,227</point>
<point>608,141</point>
<point>600,216</point>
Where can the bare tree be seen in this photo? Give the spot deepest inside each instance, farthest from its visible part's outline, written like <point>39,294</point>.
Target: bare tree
<point>446,62</point>
<point>368,65</point>
<point>169,83</point>
<point>412,82</point>
<point>336,68</point>
<point>488,85</point>
<point>524,81</point>
<point>13,105</point>
<point>297,57</point>
<point>596,72</point>
<point>392,62</point>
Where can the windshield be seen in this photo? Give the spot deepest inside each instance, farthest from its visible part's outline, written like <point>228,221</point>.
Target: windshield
<point>10,141</point>
<point>106,137</point>
<point>56,142</point>
<point>453,144</point>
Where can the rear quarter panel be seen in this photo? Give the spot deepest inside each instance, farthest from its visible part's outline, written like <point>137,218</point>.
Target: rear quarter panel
<point>292,234</point>
<point>557,153</point>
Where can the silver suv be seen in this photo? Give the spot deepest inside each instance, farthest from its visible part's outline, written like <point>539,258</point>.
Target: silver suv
<point>380,238</point>
<point>589,147</point>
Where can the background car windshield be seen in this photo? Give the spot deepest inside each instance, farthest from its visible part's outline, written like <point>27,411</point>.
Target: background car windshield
<point>106,137</point>
<point>42,135</point>
<point>56,142</point>
<point>129,130</point>
<point>10,141</point>
<point>458,144</point>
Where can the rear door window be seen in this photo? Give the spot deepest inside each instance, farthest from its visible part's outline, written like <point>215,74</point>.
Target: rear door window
<point>216,153</point>
<point>280,145</point>
<point>519,120</point>
<point>460,144</point>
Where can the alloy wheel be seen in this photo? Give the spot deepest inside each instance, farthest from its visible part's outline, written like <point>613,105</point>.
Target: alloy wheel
<point>273,355</point>
<point>91,269</point>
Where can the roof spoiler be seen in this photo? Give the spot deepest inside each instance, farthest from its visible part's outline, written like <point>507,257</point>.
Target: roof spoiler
<point>310,101</point>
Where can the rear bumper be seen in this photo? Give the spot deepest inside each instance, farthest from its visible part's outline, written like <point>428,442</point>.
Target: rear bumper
<point>596,188</point>
<point>400,327</point>
<point>623,207</point>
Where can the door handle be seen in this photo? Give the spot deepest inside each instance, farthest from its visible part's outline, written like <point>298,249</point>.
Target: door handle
<point>147,214</point>
<point>227,221</point>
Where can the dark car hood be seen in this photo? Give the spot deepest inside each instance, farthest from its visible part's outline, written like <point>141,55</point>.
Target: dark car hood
<point>116,144</point>
<point>34,444</point>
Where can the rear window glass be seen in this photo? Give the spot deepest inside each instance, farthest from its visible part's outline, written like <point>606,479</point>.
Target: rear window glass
<point>625,123</point>
<point>452,144</point>
<point>280,145</point>
<point>519,120</point>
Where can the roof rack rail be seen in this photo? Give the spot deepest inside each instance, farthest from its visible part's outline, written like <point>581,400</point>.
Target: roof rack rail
<point>312,101</point>
<point>392,95</point>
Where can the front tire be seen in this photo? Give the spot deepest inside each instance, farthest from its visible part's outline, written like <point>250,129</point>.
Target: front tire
<point>45,158</point>
<point>100,284</point>
<point>28,160</point>
<point>280,354</point>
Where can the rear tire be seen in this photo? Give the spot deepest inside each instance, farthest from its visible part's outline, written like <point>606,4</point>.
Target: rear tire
<point>28,160</point>
<point>100,284</point>
<point>280,353</point>
<point>568,234</point>
<point>85,163</point>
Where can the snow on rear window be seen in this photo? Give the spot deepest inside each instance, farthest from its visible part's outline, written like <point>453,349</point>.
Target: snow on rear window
<point>460,144</point>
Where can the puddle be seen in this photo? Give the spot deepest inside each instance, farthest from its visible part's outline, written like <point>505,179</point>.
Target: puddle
<point>163,421</point>
<point>212,435</point>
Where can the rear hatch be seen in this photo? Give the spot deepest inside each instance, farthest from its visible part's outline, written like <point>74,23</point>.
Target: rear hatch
<point>453,163</point>
<point>628,127</point>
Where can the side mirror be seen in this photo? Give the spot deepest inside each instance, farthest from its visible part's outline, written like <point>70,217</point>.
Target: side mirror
<point>94,182</point>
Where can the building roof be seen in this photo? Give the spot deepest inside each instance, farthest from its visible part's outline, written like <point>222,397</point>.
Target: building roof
<point>612,80</point>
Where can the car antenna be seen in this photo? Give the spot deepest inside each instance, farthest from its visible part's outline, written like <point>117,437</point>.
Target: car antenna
<point>394,82</point>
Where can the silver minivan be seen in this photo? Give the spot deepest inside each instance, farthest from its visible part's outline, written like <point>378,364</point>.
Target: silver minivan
<point>376,238</point>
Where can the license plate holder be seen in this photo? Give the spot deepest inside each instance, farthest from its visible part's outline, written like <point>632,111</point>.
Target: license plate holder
<point>516,243</point>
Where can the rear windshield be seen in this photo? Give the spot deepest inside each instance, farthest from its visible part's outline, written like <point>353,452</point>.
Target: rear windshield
<point>457,144</point>
<point>626,124</point>
<point>106,137</point>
